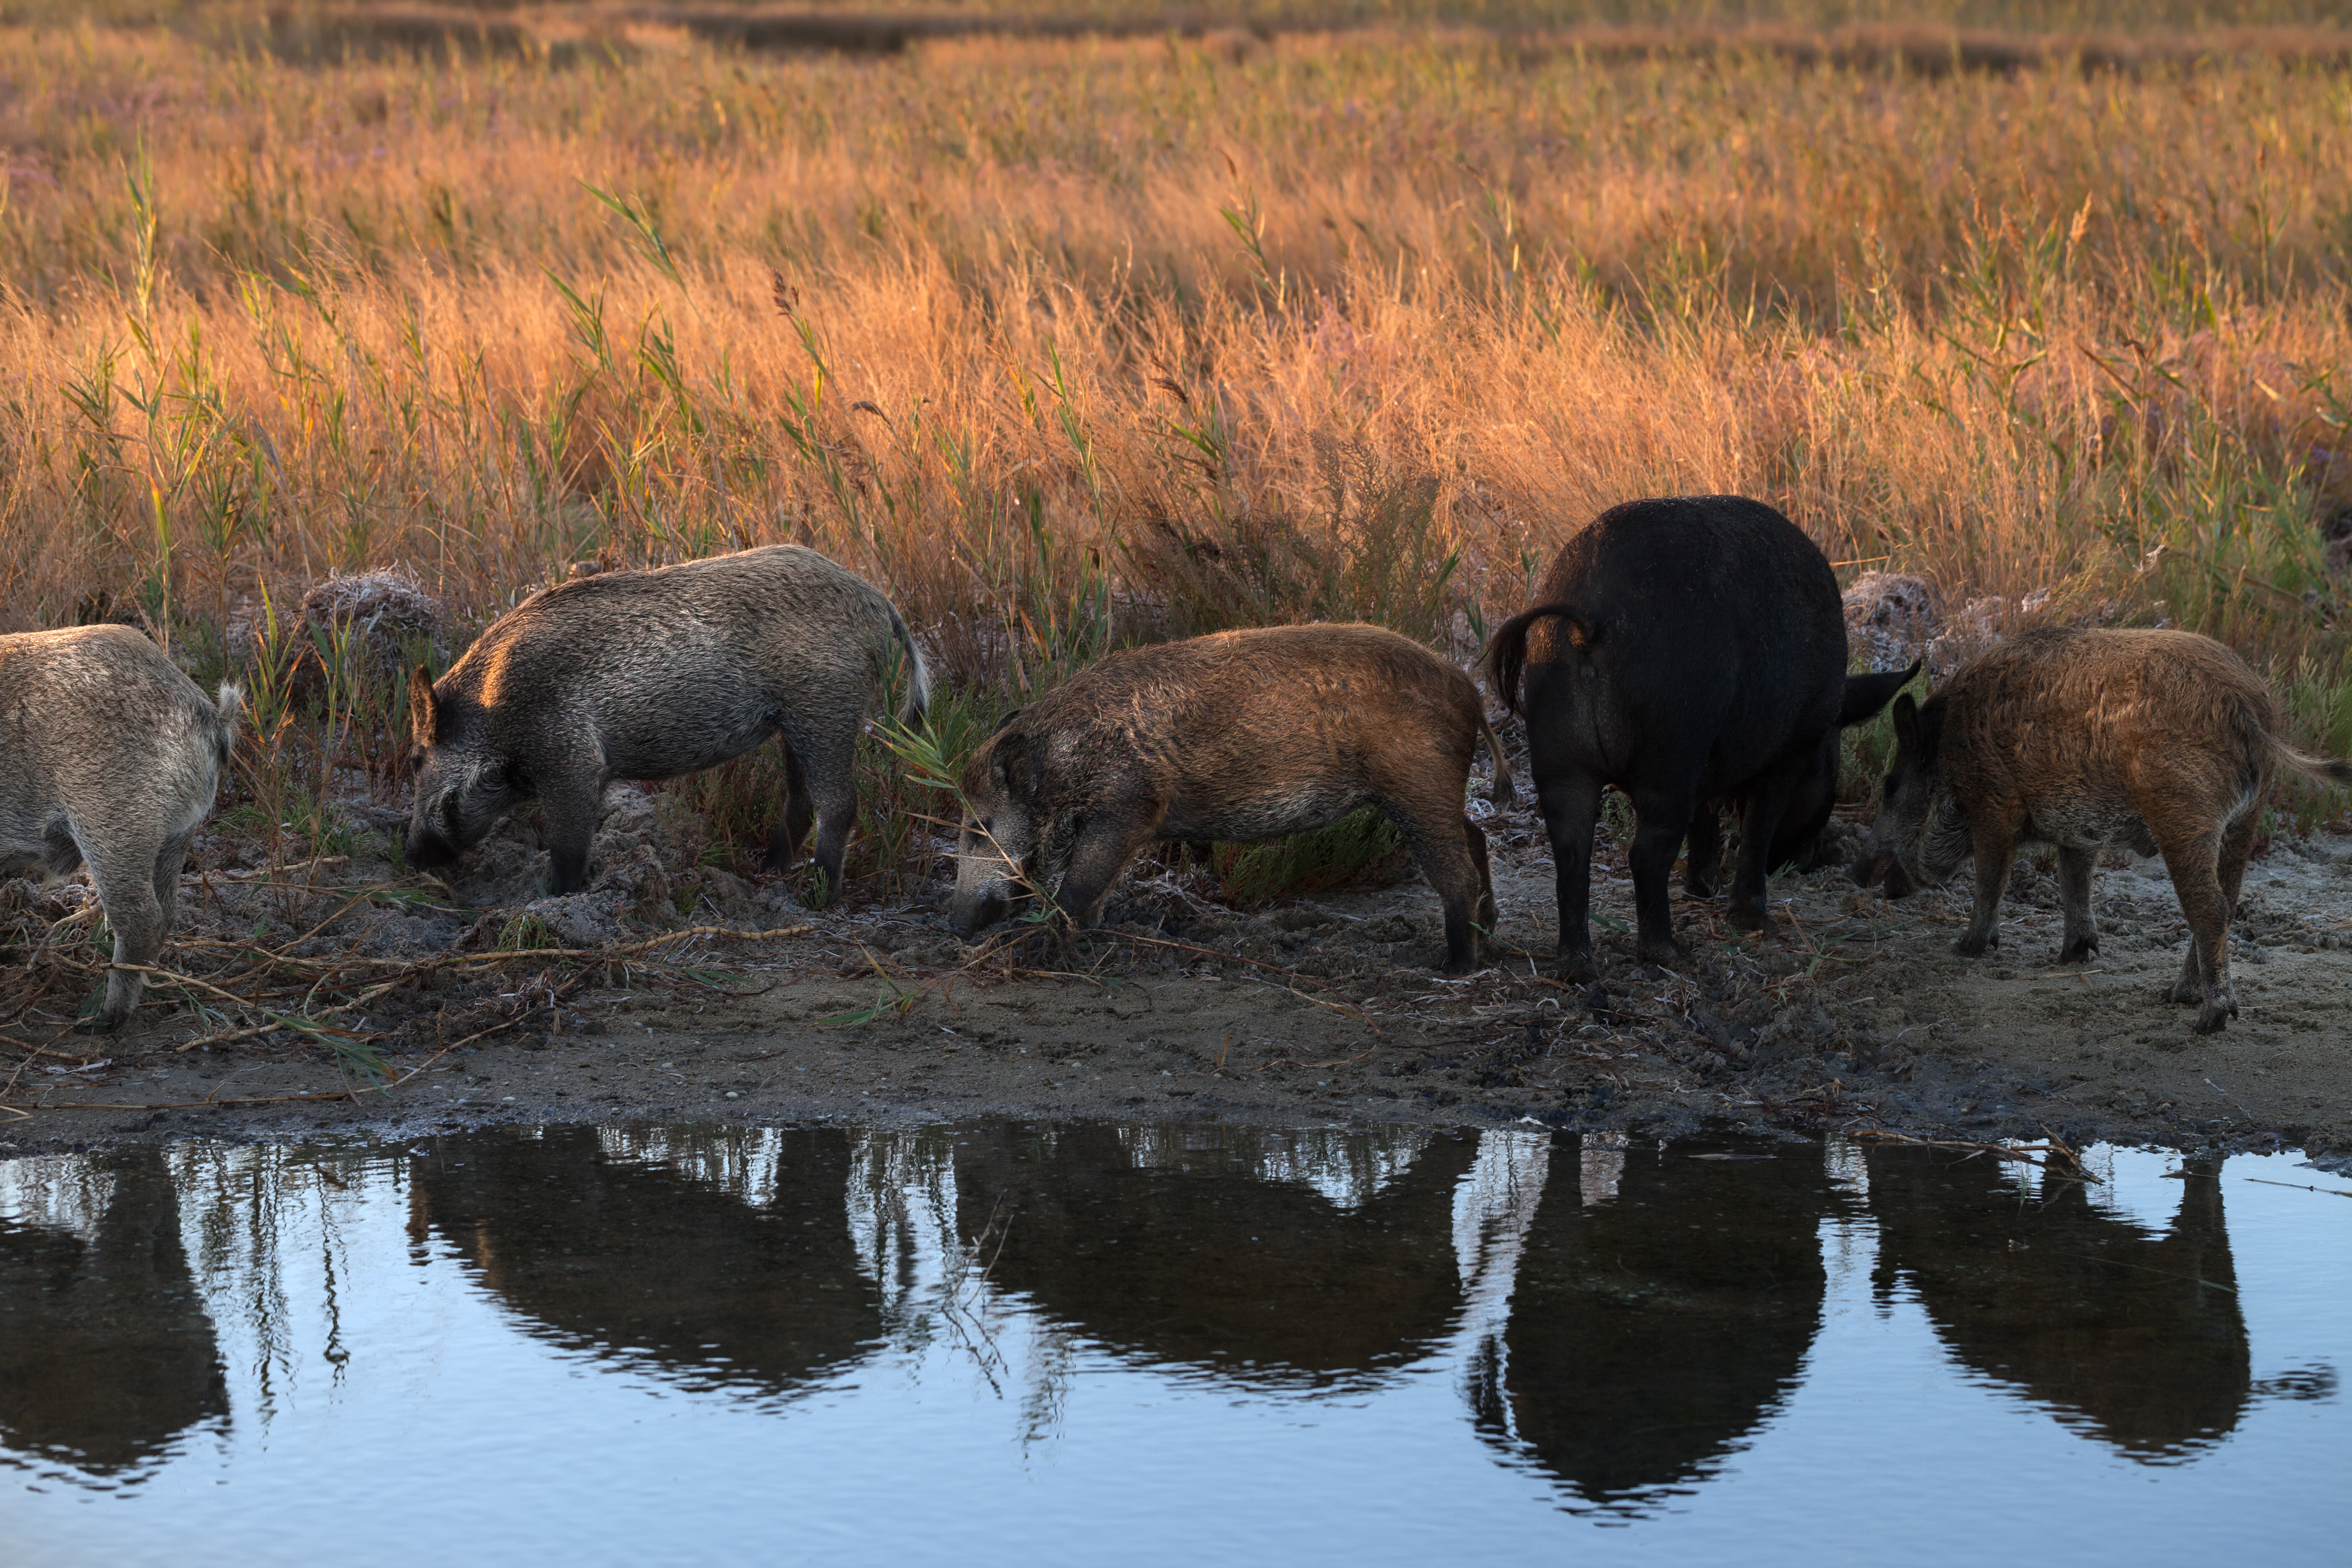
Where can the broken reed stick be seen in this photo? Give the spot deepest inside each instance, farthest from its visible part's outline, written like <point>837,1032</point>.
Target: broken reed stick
<point>2058,1155</point>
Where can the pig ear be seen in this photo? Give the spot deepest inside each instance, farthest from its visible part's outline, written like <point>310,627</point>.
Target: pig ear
<point>423,716</point>
<point>1009,715</point>
<point>1012,766</point>
<point>1866,694</point>
<point>1906,722</point>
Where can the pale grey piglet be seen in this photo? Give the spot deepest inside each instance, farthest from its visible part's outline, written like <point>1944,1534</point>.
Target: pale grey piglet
<point>109,757</point>
<point>654,675</point>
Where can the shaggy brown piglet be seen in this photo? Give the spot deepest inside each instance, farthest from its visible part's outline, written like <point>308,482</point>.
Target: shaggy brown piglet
<point>1240,736</point>
<point>2158,741</point>
<point>109,757</point>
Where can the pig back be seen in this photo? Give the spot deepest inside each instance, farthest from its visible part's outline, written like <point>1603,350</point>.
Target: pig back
<point>679,669</point>
<point>1713,633</point>
<point>2062,713</point>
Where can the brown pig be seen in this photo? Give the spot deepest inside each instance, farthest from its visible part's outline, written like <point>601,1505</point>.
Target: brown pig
<point>110,756</point>
<point>2159,741</point>
<point>1240,736</point>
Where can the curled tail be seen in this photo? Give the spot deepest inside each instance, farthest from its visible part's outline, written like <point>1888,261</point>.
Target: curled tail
<point>1507,650</point>
<point>1501,793</point>
<point>919,677</point>
<point>2326,770</point>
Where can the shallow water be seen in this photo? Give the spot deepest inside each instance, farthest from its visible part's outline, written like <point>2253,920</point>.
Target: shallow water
<point>1162,1342</point>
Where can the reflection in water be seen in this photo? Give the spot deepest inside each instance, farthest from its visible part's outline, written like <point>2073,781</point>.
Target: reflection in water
<point>1655,1325</point>
<point>106,1353</point>
<point>643,1255</point>
<point>1619,1316</point>
<point>2140,1339</point>
<point>1172,1246</point>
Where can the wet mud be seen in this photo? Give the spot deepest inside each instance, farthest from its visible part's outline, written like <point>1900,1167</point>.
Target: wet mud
<point>1851,1014</point>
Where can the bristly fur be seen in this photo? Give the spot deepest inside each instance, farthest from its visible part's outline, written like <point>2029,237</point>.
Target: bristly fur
<point>652,675</point>
<point>1234,738</point>
<point>2159,741</point>
<point>109,757</point>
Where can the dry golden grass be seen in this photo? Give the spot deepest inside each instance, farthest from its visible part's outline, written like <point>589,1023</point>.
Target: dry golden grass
<point>1097,340</point>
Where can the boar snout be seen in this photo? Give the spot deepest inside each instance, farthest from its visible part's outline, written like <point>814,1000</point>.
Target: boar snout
<point>974,912</point>
<point>428,849</point>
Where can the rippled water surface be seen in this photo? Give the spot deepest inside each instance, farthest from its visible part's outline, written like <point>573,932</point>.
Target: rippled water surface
<point>1036,1344</point>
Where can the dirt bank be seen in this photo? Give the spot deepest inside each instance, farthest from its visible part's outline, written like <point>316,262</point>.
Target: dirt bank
<point>1852,1011</point>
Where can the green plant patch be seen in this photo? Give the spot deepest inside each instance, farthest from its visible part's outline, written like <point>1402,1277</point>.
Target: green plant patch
<point>1363,849</point>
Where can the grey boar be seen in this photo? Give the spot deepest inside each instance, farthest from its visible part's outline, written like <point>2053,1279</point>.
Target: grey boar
<point>1235,737</point>
<point>1691,652</point>
<point>111,757</point>
<point>652,675</point>
<point>2158,741</point>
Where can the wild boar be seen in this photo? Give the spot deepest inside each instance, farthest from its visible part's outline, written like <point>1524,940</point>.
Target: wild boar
<point>2158,741</point>
<point>1239,736</point>
<point>1691,652</point>
<point>111,757</point>
<point>652,675</point>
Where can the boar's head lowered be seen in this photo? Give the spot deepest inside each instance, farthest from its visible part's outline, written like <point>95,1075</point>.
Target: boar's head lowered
<point>463,787</point>
<point>1920,835</point>
<point>999,829</point>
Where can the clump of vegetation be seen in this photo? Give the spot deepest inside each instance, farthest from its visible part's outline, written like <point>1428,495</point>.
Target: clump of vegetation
<point>1363,848</point>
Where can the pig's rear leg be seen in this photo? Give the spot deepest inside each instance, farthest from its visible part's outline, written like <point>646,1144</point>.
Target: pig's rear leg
<point>1660,818</point>
<point>2195,866</point>
<point>1455,865</point>
<point>1570,800</point>
<point>829,769</point>
<point>2074,897</point>
<point>126,878</point>
<point>792,819</point>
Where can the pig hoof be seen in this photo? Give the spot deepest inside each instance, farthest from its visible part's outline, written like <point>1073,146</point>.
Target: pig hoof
<point>1576,966</point>
<point>2080,950</point>
<point>1975,946</point>
<point>1457,967</point>
<point>1667,953</point>
<point>1748,916</point>
<point>2219,1011</point>
<point>2184,991</point>
<point>1699,885</point>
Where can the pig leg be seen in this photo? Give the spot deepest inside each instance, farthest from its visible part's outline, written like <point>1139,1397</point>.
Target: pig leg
<point>1996,848</point>
<point>2074,897</point>
<point>125,879</point>
<point>1570,802</point>
<point>1457,868</point>
<point>1103,847</point>
<point>1703,860</point>
<point>2197,882</point>
<point>829,768</point>
<point>1751,908</point>
<point>791,821</point>
<point>1488,916</point>
<point>569,806</point>
<point>1660,819</point>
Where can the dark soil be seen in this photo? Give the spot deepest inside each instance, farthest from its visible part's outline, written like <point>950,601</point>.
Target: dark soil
<point>1852,1013</point>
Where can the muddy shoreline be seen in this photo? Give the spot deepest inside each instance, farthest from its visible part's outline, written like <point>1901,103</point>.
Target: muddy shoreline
<point>1851,1014</point>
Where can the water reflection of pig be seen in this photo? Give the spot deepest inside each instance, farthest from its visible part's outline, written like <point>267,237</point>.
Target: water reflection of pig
<point>1652,1329</point>
<point>637,1262</point>
<point>1268,1282</point>
<point>107,1354</point>
<point>2138,1338</point>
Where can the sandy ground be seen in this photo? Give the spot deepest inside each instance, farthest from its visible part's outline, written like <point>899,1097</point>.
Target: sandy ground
<point>1852,1013</point>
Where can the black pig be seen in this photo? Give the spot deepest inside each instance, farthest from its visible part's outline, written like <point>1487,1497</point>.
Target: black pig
<point>1691,652</point>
